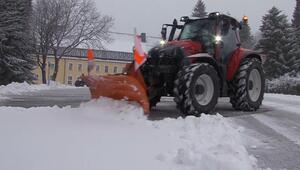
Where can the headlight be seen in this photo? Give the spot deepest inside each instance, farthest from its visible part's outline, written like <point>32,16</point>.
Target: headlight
<point>218,39</point>
<point>162,42</point>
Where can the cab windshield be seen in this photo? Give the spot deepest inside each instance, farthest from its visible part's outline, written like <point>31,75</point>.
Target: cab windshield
<point>198,29</point>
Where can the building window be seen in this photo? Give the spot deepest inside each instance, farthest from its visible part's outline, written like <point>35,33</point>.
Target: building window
<point>70,66</point>
<point>106,69</point>
<point>97,68</point>
<point>70,78</point>
<point>51,65</point>
<point>115,69</point>
<point>36,77</point>
<point>79,67</point>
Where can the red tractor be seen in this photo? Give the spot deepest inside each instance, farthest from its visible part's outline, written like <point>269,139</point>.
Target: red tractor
<point>204,63</point>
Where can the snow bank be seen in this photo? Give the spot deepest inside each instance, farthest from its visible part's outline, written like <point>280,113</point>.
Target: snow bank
<point>286,84</point>
<point>19,88</point>
<point>107,134</point>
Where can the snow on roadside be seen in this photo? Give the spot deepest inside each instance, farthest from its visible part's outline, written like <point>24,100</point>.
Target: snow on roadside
<point>107,134</point>
<point>19,88</point>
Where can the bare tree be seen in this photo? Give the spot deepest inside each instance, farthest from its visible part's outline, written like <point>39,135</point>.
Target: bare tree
<point>73,23</point>
<point>43,28</point>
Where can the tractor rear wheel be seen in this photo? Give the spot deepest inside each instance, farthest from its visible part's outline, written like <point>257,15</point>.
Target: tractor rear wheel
<point>248,86</point>
<point>197,89</point>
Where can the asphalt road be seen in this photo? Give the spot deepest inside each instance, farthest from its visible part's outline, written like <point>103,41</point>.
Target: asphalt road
<point>272,133</point>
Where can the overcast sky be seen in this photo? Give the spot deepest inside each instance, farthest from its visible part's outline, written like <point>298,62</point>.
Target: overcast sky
<point>148,15</point>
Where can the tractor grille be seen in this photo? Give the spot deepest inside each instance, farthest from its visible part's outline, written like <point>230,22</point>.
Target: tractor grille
<point>166,60</point>
<point>162,60</point>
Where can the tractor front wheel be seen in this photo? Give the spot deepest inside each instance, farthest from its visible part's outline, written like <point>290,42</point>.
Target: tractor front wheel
<point>248,85</point>
<point>197,89</point>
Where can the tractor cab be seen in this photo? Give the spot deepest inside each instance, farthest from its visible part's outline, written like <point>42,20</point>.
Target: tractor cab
<point>204,62</point>
<point>217,35</point>
<point>201,60</point>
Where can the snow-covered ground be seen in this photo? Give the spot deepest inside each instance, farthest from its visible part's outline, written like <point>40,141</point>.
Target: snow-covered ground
<point>107,134</point>
<point>283,102</point>
<point>19,88</point>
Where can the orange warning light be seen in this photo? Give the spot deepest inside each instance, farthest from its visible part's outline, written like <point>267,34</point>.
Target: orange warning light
<point>245,19</point>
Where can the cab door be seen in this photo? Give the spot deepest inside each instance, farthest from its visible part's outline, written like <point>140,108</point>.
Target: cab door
<point>230,39</point>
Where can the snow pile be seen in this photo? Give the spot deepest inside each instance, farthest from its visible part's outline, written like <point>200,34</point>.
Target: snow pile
<point>19,88</point>
<point>107,134</point>
<point>286,84</point>
<point>209,142</point>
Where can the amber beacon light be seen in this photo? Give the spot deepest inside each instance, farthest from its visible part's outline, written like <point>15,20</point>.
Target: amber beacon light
<point>245,19</point>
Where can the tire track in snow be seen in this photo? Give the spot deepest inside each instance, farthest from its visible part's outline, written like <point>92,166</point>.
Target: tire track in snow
<point>286,119</point>
<point>272,150</point>
<point>278,130</point>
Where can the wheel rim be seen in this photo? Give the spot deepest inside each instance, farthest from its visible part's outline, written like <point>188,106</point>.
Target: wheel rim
<point>254,85</point>
<point>204,89</point>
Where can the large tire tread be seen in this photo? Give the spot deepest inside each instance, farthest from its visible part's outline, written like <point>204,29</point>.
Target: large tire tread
<point>238,87</point>
<point>182,97</point>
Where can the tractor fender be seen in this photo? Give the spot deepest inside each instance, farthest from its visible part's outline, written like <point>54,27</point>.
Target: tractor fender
<point>202,57</point>
<point>205,58</point>
<point>239,55</point>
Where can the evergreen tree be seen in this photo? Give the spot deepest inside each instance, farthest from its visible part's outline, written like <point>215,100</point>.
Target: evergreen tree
<point>275,44</point>
<point>292,50</point>
<point>296,19</point>
<point>246,37</point>
<point>199,9</point>
<point>16,62</point>
<point>296,24</point>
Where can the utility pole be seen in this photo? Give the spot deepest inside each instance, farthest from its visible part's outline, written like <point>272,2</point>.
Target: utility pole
<point>49,64</point>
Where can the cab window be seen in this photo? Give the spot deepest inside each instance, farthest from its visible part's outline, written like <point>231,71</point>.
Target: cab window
<point>229,38</point>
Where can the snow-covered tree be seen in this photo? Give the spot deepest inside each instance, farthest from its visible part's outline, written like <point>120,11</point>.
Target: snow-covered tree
<point>16,62</point>
<point>199,9</point>
<point>292,49</point>
<point>296,37</point>
<point>296,16</point>
<point>276,43</point>
<point>296,22</point>
<point>246,37</point>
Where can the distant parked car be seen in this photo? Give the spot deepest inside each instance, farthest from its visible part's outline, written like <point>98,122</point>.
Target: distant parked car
<point>79,82</point>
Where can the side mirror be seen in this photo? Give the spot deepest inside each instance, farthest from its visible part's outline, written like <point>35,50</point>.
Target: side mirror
<point>164,32</point>
<point>240,26</point>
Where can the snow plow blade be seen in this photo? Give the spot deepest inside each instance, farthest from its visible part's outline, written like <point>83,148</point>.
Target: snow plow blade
<point>129,87</point>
